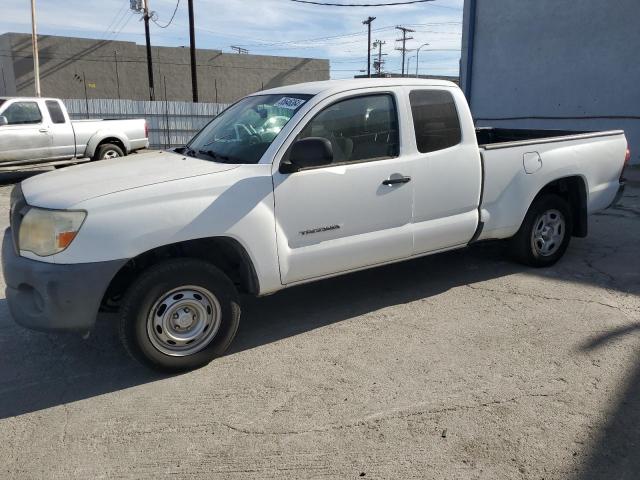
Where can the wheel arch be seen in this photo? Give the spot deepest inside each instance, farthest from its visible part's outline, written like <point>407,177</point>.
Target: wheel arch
<point>100,139</point>
<point>574,190</point>
<point>226,253</point>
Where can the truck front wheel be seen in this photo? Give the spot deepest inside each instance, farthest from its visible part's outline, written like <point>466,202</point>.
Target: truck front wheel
<point>545,232</point>
<point>179,315</point>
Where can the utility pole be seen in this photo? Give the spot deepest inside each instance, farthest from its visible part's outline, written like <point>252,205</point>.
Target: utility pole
<point>146,16</point>
<point>34,46</point>
<point>404,39</point>
<point>367,22</point>
<point>115,58</point>
<point>378,64</point>
<point>239,50</point>
<point>192,47</point>
<point>86,95</point>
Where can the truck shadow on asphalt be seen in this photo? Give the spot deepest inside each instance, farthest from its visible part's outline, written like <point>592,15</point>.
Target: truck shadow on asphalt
<point>11,178</point>
<point>41,370</point>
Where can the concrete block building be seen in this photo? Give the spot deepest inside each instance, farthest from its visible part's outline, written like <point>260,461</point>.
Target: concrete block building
<point>554,64</point>
<point>116,69</point>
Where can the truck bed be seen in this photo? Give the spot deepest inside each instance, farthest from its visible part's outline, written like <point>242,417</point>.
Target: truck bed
<point>518,163</point>
<point>490,136</point>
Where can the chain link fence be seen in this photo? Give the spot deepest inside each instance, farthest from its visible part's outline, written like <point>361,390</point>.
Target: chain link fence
<point>170,123</point>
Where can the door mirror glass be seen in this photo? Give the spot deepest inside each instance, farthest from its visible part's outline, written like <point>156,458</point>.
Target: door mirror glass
<point>3,120</point>
<point>309,152</point>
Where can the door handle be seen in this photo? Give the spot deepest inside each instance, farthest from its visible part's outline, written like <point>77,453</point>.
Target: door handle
<point>43,130</point>
<point>393,181</point>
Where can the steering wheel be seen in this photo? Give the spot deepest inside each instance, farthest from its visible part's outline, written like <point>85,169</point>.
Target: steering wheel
<point>242,131</point>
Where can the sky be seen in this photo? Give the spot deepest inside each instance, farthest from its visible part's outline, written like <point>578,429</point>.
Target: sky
<point>266,27</point>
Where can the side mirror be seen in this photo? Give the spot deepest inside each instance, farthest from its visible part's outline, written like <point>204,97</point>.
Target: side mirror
<point>3,120</point>
<point>308,152</point>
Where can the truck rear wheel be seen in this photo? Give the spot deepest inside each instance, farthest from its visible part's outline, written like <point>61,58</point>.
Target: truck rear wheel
<point>545,232</point>
<point>107,151</point>
<point>179,315</point>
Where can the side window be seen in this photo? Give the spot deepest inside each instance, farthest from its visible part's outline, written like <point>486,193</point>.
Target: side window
<point>435,120</point>
<point>21,113</point>
<point>55,111</point>
<point>359,128</point>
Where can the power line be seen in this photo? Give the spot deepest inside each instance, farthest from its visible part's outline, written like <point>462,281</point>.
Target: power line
<point>172,17</point>
<point>117,16</point>
<point>115,33</point>
<point>407,2</point>
<point>258,43</point>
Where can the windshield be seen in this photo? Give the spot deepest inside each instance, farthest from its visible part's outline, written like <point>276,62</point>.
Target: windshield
<point>243,132</point>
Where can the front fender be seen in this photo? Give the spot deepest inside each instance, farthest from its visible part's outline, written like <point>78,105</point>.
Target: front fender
<point>236,204</point>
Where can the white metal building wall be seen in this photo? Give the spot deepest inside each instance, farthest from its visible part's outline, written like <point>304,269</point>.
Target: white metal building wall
<point>554,64</point>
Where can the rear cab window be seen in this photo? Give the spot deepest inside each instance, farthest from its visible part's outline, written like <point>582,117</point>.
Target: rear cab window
<point>55,111</point>
<point>435,120</point>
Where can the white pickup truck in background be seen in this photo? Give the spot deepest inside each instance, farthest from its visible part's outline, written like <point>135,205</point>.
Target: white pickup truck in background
<point>39,131</point>
<point>356,174</point>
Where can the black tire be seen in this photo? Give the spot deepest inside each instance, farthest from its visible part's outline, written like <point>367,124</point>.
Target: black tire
<point>522,245</point>
<point>105,151</point>
<point>152,287</point>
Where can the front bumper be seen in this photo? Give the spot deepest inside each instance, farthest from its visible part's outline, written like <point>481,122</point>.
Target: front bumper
<point>54,297</point>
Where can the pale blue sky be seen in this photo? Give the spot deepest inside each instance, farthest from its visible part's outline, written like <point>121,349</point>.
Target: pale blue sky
<point>269,27</point>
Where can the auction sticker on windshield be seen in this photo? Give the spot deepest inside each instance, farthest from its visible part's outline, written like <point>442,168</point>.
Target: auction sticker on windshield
<point>289,103</point>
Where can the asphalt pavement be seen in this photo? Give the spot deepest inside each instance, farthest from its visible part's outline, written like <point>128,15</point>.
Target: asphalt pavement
<point>462,365</point>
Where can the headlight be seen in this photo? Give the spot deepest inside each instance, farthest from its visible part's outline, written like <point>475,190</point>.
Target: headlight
<point>46,232</point>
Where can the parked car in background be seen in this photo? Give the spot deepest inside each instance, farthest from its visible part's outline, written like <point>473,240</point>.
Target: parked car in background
<point>351,175</point>
<point>39,131</point>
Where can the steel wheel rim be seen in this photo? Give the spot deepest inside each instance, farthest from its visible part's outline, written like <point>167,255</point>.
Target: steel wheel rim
<point>183,321</point>
<point>110,154</point>
<point>548,232</point>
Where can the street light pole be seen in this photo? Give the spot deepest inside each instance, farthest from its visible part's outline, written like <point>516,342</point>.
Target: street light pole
<point>418,57</point>
<point>34,45</point>
<point>409,63</point>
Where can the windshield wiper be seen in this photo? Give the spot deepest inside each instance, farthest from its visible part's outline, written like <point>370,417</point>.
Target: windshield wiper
<point>215,155</point>
<point>187,151</point>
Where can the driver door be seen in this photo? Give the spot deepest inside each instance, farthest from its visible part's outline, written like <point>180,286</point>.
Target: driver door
<point>346,215</point>
<point>26,137</point>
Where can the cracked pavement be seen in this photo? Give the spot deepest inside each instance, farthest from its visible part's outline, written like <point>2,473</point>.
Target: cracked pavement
<point>461,365</point>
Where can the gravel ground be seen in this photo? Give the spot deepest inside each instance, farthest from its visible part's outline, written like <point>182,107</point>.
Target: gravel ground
<point>462,365</point>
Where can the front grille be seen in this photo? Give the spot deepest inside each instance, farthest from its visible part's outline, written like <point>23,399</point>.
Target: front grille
<point>18,208</point>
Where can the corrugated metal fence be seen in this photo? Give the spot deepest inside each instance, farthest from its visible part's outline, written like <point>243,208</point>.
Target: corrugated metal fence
<point>170,123</point>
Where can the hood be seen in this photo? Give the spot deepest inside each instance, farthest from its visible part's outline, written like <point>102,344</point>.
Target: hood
<point>67,187</point>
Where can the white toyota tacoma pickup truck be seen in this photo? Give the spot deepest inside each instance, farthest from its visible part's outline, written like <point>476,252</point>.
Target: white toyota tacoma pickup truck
<point>289,186</point>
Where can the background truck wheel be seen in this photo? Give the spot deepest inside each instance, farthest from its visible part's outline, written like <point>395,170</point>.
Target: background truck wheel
<point>545,232</point>
<point>179,315</point>
<point>107,151</point>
